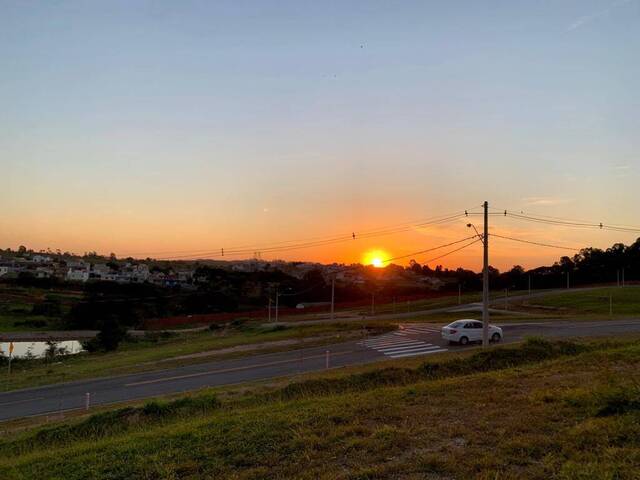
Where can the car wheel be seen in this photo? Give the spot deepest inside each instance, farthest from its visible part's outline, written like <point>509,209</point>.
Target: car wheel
<point>463,340</point>
<point>495,338</point>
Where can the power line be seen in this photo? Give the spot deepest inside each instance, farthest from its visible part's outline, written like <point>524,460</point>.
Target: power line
<point>260,247</point>
<point>428,250</point>
<point>452,251</point>
<point>572,224</point>
<point>500,211</point>
<point>328,241</point>
<point>540,244</point>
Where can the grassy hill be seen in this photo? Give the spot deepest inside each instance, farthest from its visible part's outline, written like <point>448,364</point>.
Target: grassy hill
<point>537,410</point>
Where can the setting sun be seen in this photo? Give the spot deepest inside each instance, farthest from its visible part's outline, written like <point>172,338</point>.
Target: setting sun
<point>375,258</point>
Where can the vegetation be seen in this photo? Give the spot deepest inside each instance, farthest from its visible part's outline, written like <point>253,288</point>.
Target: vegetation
<point>541,410</point>
<point>623,301</point>
<point>156,350</point>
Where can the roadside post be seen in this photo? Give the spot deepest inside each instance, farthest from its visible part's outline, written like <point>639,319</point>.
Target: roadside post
<point>326,360</point>
<point>333,296</point>
<point>87,401</point>
<point>610,305</point>
<point>10,356</point>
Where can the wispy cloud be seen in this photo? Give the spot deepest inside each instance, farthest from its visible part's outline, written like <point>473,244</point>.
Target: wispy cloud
<point>585,19</point>
<point>622,168</point>
<point>544,201</point>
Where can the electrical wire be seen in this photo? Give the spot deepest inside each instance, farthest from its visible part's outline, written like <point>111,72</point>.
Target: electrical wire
<point>500,211</point>
<point>572,224</point>
<point>428,250</point>
<point>452,251</point>
<point>540,244</point>
<point>329,241</point>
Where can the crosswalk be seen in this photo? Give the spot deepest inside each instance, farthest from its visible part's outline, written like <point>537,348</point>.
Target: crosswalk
<point>416,329</point>
<point>396,345</point>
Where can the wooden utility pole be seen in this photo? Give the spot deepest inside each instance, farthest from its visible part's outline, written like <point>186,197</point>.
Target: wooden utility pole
<point>485,279</point>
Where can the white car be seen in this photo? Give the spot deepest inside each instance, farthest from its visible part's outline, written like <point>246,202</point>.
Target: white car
<point>468,330</point>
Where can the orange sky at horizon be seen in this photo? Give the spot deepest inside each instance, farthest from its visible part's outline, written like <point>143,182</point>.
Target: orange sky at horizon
<point>187,243</point>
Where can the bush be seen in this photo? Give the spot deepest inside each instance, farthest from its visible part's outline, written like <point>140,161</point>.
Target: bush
<point>113,422</point>
<point>31,323</point>
<point>619,401</point>
<point>531,351</point>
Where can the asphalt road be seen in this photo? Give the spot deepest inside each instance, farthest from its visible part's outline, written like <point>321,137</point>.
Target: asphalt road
<point>410,341</point>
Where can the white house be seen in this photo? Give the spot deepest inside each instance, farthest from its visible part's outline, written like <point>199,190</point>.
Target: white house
<point>78,275</point>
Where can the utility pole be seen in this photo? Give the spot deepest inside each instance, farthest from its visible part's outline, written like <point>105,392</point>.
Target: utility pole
<point>277,298</point>
<point>529,285</point>
<point>618,277</point>
<point>333,295</point>
<point>269,307</point>
<point>567,280</point>
<point>485,279</point>
<point>373,304</point>
<point>623,277</point>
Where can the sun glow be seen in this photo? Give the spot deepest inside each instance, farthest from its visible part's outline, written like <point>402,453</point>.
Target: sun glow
<point>375,258</point>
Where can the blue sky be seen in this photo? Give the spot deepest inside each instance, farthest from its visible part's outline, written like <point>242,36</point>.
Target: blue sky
<point>240,120</point>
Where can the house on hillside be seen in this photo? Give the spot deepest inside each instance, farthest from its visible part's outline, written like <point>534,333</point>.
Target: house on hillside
<point>75,274</point>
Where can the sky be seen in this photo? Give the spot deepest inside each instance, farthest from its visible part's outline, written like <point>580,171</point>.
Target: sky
<point>162,128</point>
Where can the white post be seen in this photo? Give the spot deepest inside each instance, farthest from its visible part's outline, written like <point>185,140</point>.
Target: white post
<point>333,296</point>
<point>87,400</point>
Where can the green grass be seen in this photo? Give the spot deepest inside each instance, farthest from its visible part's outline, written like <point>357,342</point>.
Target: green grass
<point>625,302</point>
<point>25,323</point>
<point>153,353</point>
<point>16,306</point>
<point>539,411</point>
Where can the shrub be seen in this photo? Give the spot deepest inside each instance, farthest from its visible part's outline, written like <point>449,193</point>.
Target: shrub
<point>116,421</point>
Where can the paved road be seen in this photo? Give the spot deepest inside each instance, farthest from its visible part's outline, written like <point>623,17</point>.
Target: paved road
<point>340,317</point>
<point>412,340</point>
<point>465,307</point>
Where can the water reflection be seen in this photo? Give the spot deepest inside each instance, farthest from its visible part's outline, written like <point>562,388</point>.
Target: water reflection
<point>39,349</point>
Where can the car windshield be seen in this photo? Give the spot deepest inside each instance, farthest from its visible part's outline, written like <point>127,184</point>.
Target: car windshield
<point>458,324</point>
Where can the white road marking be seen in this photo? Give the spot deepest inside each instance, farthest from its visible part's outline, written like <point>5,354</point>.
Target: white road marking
<point>401,346</point>
<point>418,353</point>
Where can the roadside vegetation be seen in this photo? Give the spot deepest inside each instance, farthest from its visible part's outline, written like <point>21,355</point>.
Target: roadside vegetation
<point>538,410</point>
<point>600,303</point>
<point>157,350</point>
<point>33,308</point>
